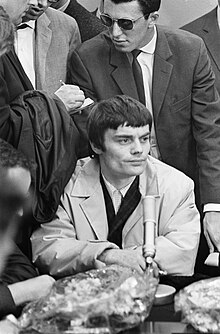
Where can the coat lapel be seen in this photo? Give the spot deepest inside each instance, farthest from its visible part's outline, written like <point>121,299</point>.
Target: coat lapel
<point>88,187</point>
<point>43,40</point>
<point>122,72</point>
<point>211,35</point>
<point>161,73</point>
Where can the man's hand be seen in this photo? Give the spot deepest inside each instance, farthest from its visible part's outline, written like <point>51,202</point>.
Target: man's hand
<point>211,223</point>
<point>72,96</point>
<point>124,257</point>
<point>31,289</point>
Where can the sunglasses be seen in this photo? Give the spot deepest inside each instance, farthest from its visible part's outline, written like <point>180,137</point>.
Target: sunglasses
<point>125,24</point>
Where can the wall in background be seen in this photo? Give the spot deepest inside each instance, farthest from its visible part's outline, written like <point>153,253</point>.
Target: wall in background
<point>172,12</point>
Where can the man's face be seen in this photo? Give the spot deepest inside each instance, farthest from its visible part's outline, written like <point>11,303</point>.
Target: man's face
<point>36,10</point>
<point>126,152</point>
<point>15,183</point>
<point>16,9</point>
<point>128,40</point>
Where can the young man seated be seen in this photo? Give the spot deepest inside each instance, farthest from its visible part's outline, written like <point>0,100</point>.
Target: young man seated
<point>92,229</point>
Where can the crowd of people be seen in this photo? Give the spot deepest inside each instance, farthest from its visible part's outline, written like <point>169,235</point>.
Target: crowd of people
<point>97,112</point>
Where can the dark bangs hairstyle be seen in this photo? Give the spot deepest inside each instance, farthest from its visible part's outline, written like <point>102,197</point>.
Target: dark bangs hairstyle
<point>111,113</point>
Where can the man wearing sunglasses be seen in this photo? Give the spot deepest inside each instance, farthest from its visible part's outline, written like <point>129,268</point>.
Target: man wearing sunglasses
<point>179,90</point>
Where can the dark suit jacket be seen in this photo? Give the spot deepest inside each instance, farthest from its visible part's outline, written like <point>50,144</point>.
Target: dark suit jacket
<point>13,82</point>
<point>89,24</point>
<point>186,105</point>
<point>207,28</point>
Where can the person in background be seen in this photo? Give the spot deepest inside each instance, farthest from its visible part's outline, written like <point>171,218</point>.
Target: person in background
<point>170,72</point>
<point>207,27</point>
<point>19,281</point>
<point>43,44</point>
<point>100,218</point>
<point>6,32</point>
<point>89,24</point>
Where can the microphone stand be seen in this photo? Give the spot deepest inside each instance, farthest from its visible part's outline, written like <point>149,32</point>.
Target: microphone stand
<point>164,293</point>
<point>149,221</point>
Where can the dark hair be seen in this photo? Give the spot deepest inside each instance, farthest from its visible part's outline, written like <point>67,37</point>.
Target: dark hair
<point>10,157</point>
<point>147,6</point>
<point>111,113</point>
<point>6,32</point>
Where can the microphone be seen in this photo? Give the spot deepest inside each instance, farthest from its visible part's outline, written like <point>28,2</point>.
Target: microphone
<point>149,221</point>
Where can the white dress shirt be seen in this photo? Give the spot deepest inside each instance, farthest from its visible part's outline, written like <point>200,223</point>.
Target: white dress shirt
<point>25,49</point>
<point>146,61</point>
<point>117,194</point>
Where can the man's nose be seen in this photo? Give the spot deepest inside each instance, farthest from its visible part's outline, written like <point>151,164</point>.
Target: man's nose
<point>136,147</point>
<point>116,30</point>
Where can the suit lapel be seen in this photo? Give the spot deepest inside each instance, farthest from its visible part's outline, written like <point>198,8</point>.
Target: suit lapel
<point>43,40</point>
<point>97,218</point>
<point>161,72</point>
<point>211,36</point>
<point>88,187</point>
<point>122,72</point>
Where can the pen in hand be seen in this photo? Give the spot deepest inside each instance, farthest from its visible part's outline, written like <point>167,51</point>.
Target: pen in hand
<point>62,83</point>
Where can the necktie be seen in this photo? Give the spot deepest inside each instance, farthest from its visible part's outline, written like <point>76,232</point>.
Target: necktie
<point>138,77</point>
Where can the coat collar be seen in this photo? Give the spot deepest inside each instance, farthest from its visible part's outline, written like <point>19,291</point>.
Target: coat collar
<point>87,179</point>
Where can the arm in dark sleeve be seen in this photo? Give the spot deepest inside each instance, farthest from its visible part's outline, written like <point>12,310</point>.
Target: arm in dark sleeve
<point>18,268</point>
<point>7,305</point>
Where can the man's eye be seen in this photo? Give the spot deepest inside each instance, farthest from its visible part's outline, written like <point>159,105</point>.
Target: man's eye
<point>145,139</point>
<point>124,141</point>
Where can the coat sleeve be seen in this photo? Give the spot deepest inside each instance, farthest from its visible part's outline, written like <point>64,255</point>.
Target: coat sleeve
<point>178,229</point>
<point>206,128</point>
<point>18,268</point>
<point>77,74</point>
<point>56,249</point>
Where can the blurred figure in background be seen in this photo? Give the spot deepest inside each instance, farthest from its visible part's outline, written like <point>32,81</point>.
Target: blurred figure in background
<point>19,281</point>
<point>89,24</point>
<point>6,32</point>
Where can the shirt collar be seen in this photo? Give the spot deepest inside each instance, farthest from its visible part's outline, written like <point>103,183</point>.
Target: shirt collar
<point>30,24</point>
<point>112,189</point>
<point>151,46</point>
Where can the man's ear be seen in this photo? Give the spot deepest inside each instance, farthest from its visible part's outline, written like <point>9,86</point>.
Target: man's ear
<point>96,149</point>
<point>153,17</point>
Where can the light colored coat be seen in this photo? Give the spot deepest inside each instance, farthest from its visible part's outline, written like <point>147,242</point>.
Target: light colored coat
<point>73,241</point>
<point>57,35</point>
